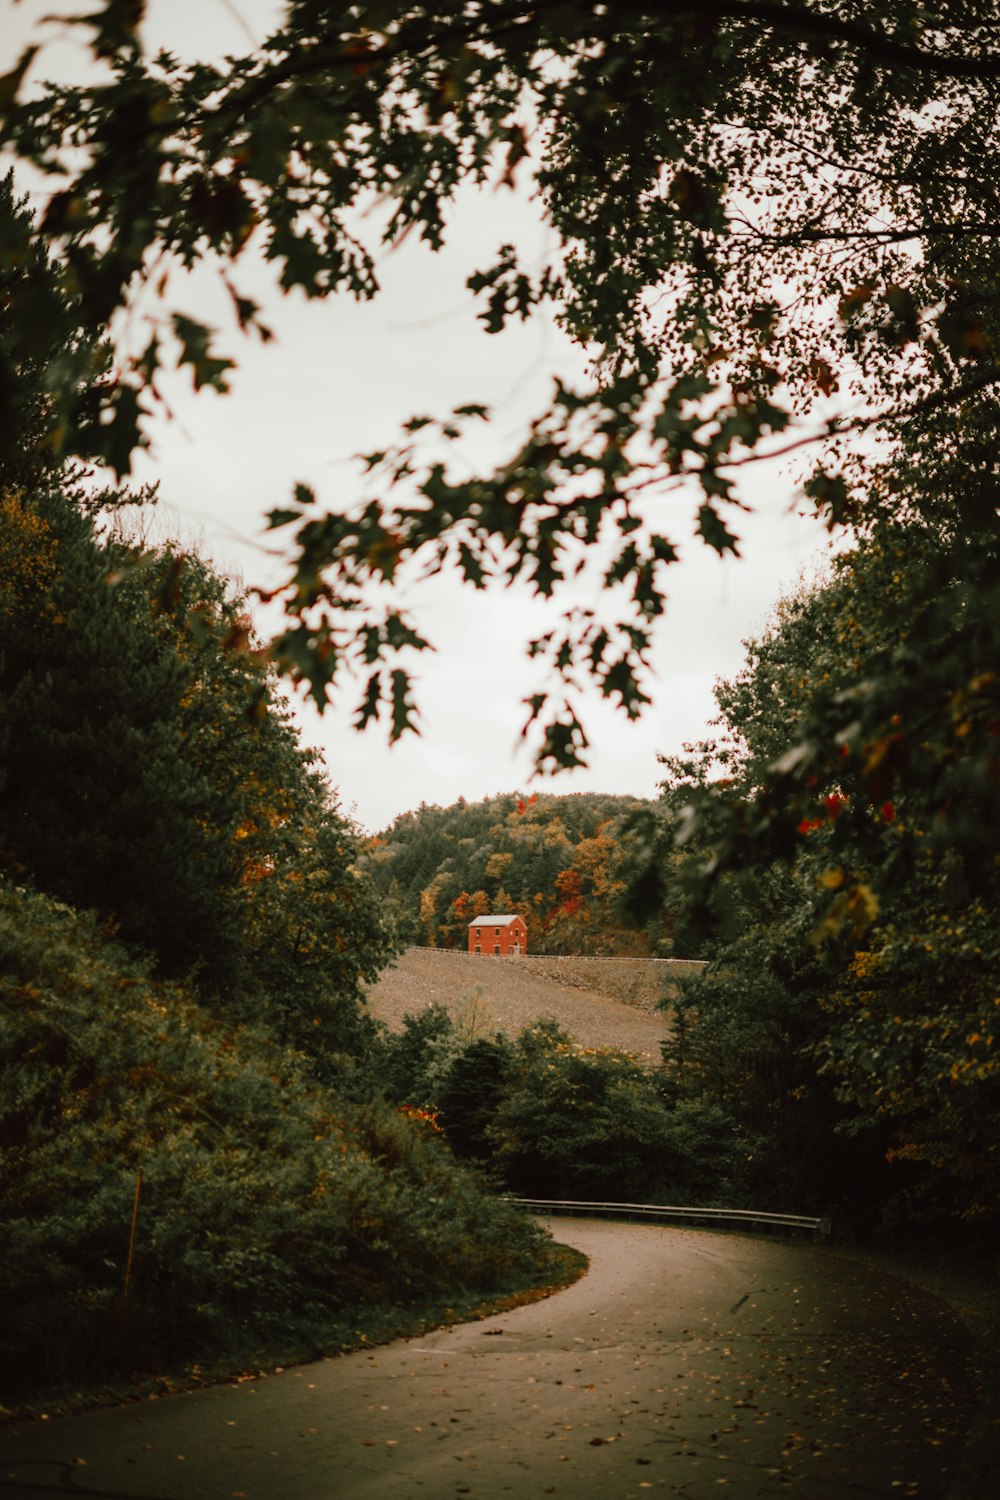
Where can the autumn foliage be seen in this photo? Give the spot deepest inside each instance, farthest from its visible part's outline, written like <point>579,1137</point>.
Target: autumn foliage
<point>560,862</point>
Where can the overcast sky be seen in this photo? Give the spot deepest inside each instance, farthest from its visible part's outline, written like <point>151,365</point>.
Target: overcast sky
<point>339,379</point>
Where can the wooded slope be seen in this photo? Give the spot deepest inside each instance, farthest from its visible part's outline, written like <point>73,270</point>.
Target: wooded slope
<point>562,863</point>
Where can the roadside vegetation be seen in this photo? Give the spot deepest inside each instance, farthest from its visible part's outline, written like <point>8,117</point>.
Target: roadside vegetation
<point>546,1118</point>
<point>184,934</point>
<point>849,1016</point>
<point>275,1217</point>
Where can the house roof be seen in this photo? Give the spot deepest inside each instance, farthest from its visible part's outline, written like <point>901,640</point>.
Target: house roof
<point>494,921</point>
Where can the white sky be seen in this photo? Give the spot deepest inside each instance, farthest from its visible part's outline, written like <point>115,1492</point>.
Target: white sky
<point>339,379</point>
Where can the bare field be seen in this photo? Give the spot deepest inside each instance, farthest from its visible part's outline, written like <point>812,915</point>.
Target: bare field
<point>601,1002</point>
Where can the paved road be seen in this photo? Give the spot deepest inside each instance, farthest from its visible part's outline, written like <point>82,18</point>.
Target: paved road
<point>684,1364</point>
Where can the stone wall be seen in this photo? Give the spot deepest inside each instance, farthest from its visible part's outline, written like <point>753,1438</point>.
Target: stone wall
<point>640,982</point>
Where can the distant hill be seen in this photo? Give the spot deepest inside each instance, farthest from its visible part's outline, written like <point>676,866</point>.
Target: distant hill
<point>562,863</point>
<point>601,1002</point>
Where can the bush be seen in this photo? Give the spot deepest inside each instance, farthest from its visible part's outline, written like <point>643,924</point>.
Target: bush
<point>552,1120</point>
<point>150,770</point>
<point>267,1208</point>
<point>593,1123</point>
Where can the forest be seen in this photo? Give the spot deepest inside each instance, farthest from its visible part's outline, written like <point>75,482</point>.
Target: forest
<point>560,862</point>
<point>772,238</point>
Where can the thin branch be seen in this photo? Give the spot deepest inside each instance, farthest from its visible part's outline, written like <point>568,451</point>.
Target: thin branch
<point>800,21</point>
<point>871,236</point>
<point>836,427</point>
<point>856,169</point>
<point>239,19</point>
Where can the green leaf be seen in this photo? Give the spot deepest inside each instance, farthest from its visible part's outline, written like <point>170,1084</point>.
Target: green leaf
<point>368,708</point>
<point>11,82</point>
<point>832,498</point>
<point>403,707</point>
<point>713,530</point>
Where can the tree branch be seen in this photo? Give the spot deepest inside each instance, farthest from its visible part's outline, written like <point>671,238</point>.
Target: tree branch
<point>871,236</point>
<point>803,22</point>
<point>836,427</point>
<point>495,20</point>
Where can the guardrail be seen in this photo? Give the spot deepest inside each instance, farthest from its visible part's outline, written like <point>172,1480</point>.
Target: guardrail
<point>750,1218</point>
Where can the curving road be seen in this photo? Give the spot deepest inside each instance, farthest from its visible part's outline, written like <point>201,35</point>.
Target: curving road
<point>685,1363</point>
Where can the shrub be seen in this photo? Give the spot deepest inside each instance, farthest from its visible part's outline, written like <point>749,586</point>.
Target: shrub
<point>593,1123</point>
<point>267,1207</point>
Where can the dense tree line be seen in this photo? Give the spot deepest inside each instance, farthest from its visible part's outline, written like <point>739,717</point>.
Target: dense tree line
<point>560,862</point>
<point>850,1013</point>
<point>547,1118</point>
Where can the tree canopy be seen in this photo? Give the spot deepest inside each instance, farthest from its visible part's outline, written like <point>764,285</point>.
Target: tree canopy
<point>772,230</point>
<point>562,863</point>
<point>849,1013</point>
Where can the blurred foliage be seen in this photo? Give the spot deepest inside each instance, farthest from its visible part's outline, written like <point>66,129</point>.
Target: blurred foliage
<point>769,228</point>
<point>52,368</point>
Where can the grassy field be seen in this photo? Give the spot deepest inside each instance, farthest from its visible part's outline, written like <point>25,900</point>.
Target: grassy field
<point>602,1002</point>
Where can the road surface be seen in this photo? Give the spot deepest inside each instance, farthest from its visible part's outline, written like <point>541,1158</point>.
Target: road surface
<point>685,1363</point>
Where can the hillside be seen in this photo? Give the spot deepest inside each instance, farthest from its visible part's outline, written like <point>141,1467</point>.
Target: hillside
<point>601,1002</point>
<point>563,863</point>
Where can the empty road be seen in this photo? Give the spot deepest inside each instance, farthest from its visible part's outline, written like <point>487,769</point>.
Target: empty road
<point>685,1363</point>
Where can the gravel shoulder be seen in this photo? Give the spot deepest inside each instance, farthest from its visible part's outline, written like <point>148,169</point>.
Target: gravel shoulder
<point>600,1002</point>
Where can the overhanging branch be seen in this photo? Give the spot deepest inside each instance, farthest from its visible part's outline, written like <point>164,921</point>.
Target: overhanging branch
<point>491,21</point>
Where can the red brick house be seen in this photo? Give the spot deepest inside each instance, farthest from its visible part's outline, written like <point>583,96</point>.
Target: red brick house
<point>501,937</point>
